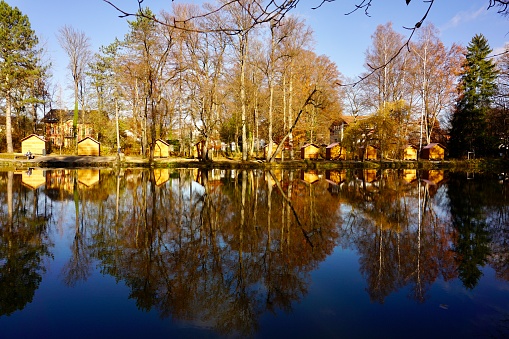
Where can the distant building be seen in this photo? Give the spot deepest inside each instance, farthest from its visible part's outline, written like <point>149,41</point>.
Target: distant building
<point>58,125</point>
<point>337,128</point>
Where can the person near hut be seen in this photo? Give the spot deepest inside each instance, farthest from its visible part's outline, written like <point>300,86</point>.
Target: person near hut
<point>29,155</point>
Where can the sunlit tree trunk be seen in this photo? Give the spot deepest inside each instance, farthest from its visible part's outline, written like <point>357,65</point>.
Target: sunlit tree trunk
<point>243,102</point>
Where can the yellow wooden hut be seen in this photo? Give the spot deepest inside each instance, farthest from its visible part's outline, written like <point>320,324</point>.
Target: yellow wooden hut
<point>161,149</point>
<point>370,152</point>
<point>410,153</point>
<point>89,146</point>
<point>309,151</point>
<point>433,151</point>
<point>33,143</point>
<point>335,152</point>
<point>274,148</point>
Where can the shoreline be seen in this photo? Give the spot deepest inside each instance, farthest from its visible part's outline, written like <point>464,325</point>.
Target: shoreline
<point>72,161</point>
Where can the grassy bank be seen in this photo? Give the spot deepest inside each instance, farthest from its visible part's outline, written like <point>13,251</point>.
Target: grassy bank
<point>10,161</point>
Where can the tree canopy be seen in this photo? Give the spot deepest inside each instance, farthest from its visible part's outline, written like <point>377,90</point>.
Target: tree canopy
<point>19,63</point>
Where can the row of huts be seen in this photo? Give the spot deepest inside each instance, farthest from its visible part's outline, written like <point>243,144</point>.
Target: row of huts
<point>335,151</point>
<point>37,145</point>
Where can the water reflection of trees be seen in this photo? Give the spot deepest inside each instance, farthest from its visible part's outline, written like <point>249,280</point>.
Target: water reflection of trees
<point>24,243</point>
<point>221,247</point>
<point>393,221</point>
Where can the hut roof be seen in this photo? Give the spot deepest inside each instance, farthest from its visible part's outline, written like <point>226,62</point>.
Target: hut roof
<point>433,144</point>
<point>309,145</point>
<point>54,115</point>
<point>33,135</point>
<point>97,142</point>
<point>163,142</point>
<point>333,145</point>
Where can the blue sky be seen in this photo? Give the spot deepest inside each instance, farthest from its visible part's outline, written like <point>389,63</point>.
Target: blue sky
<point>343,38</point>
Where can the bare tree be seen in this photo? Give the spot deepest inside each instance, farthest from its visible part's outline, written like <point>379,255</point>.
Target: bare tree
<point>77,47</point>
<point>436,70</point>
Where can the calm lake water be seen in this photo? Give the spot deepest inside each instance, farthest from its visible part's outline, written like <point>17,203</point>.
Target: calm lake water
<point>188,253</point>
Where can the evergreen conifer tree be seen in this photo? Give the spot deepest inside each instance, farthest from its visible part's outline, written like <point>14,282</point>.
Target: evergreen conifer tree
<point>18,58</point>
<point>477,87</point>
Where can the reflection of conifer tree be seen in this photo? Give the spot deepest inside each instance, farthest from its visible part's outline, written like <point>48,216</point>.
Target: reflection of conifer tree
<point>23,247</point>
<point>22,253</point>
<point>400,240</point>
<point>466,203</point>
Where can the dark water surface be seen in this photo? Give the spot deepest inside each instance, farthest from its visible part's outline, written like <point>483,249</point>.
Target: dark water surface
<point>163,253</point>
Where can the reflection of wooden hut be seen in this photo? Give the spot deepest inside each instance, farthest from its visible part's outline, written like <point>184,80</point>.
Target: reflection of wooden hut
<point>370,175</point>
<point>409,175</point>
<point>161,149</point>
<point>266,150</point>
<point>161,175</point>
<point>335,152</point>
<point>433,151</point>
<point>33,143</point>
<point>433,177</point>
<point>309,151</point>
<point>367,175</point>
<point>89,146</point>
<point>88,176</point>
<point>33,178</point>
<point>410,153</point>
<point>309,176</point>
<point>335,176</point>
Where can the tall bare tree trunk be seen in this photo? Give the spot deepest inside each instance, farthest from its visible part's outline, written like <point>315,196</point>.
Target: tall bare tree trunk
<point>243,54</point>
<point>8,123</point>
<point>290,113</point>
<point>117,128</point>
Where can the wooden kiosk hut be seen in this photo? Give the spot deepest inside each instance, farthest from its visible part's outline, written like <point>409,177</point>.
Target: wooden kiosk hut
<point>161,149</point>
<point>309,151</point>
<point>335,152</point>
<point>410,153</point>
<point>89,146</point>
<point>33,143</point>
<point>433,151</point>
<point>368,153</point>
